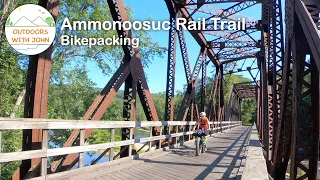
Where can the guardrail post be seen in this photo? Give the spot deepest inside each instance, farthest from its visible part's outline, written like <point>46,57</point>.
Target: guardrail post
<point>183,136</point>
<point>160,134</point>
<point>81,156</point>
<point>189,136</point>
<point>177,130</point>
<point>44,160</point>
<point>130,146</point>
<point>150,142</point>
<point>111,140</point>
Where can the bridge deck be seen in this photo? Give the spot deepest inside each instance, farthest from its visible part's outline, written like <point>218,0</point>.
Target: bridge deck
<point>221,161</point>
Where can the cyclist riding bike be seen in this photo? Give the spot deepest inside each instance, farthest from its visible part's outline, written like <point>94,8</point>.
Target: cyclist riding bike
<point>202,124</point>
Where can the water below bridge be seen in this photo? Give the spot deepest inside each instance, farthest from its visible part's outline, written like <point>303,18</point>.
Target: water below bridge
<point>90,157</point>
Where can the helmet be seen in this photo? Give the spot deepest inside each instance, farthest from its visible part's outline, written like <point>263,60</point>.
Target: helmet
<point>202,114</point>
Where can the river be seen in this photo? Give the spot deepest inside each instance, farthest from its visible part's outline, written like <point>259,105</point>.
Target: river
<point>88,159</point>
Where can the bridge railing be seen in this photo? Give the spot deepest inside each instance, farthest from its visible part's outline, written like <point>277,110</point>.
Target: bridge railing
<point>46,125</point>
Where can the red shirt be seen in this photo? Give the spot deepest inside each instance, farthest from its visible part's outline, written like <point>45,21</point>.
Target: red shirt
<point>203,123</point>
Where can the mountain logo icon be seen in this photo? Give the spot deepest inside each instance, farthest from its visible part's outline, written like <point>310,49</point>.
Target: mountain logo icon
<point>30,29</point>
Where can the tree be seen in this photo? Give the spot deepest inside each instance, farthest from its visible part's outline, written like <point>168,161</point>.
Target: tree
<point>248,113</point>
<point>8,22</point>
<point>11,84</point>
<point>50,21</point>
<point>71,92</point>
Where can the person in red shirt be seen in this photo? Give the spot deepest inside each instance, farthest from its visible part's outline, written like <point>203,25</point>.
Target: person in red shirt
<point>203,123</point>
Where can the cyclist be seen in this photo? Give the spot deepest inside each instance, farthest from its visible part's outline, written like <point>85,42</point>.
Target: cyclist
<point>203,124</point>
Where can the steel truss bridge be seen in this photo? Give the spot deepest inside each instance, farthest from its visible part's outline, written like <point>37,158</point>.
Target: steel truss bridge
<point>286,55</point>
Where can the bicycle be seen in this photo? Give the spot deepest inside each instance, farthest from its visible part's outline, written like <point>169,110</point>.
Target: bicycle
<point>200,141</point>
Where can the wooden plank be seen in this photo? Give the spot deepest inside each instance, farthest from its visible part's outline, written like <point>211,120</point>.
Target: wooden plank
<point>155,138</point>
<point>78,149</point>
<point>177,131</point>
<point>163,123</point>
<point>23,155</point>
<point>39,178</point>
<point>81,155</point>
<point>18,156</point>
<point>111,149</point>
<point>9,124</point>
<point>44,160</point>
<point>131,139</point>
<point>150,135</point>
<point>12,125</point>
<point>91,124</point>
<point>101,171</point>
<point>42,124</point>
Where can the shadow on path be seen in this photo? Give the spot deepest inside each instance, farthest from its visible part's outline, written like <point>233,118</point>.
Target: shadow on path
<point>209,169</point>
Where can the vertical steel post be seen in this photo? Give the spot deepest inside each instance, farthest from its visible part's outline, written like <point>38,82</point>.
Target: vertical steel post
<point>171,68</point>
<point>36,98</point>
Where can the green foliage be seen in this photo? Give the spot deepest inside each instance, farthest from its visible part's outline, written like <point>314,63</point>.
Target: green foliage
<point>105,57</point>
<point>248,113</point>
<point>100,136</point>
<point>12,78</point>
<point>11,84</point>
<point>50,21</point>
<point>71,92</point>
<point>159,100</point>
<point>8,22</point>
<point>11,143</point>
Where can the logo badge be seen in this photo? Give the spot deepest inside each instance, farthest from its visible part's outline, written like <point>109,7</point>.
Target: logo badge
<point>30,29</point>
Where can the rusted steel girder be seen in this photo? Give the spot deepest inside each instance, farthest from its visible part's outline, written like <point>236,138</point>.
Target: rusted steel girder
<point>262,62</point>
<point>238,71</point>
<point>237,52</point>
<point>232,12</point>
<point>283,140</point>
<point>236,57</point>
<point>305,132</point>
<point>238,36</point>
<point>171,67</point>
<point>301,18</point>
<point>234,108</point>
<point>212,109</point>
<point>229,106</point>
<point>189,97</point>
<point>199,37</point>
<point>131,72</point>
<point>203,86</point>
<point>211,26</point>
<point>264,102</point>
<point>221,96</point>
<point>36,98</point>
<point>281,153</point>
<point>202,2</point>
<point>308,15</point>
<point>233,44</point>
<point>275,61</point>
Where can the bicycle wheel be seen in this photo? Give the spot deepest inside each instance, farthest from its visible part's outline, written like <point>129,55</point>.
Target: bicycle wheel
<point>198,146</point>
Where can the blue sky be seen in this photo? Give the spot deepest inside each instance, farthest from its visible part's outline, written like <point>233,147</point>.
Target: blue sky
<point>156,72</point>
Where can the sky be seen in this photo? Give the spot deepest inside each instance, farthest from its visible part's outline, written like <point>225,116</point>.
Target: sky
<point>157,70</point>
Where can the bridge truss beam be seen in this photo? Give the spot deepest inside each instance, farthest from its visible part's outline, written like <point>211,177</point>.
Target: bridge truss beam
<point>287,93</point>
